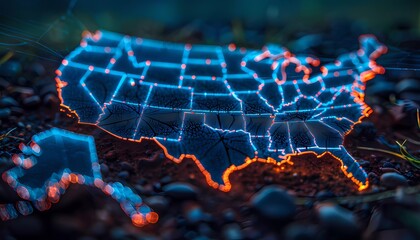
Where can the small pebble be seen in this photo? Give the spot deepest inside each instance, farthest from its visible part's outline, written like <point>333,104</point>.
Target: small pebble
<point>229,215</point>
<point>273,202</point>
<point>232,232</point>
<point>408,85</point>
<point>166,180</point>
<point>194,215</point>
<point>23,91</point>
<point>4,84</point>
<point>51,99</point>
<point>48,89</point>
<point>364,163</point>
<point>158,203</point>
<point>324,195</point>
<point>179,190</point>
<point>300,232</point>
<point>126,166</point>
<point>17,111</point>
<point>8,102</point>
<point>124,175</point>
<point>373,178</point>
<point>10,68</point>
<point>31,101</point>
<point>118,233</point>
<point>5,112</point>
<point>38,69</point>
<point>104,169</point>
<point>338,222</point>
<point>393,180</point>
<point>388,165</point>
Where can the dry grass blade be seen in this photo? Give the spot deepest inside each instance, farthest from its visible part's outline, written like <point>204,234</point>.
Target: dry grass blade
<point>407,156</point>
<point>6,135</point>
<point>6,57</point>
<point>404,154</point>
<point>418,118</point>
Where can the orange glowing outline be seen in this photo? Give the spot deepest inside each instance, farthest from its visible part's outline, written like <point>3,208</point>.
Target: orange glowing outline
<point>226,186</point>
<point>53,195</point>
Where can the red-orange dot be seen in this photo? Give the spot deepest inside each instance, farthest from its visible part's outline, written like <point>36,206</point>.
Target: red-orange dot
<point>152,217</point>
<point>109,189</point>
<point>98,183</point>
<point>23,192</point>
<point>138,220</point>
<point>232,47</point>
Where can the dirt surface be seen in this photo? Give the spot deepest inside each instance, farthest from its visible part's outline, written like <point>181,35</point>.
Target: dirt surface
<point>311,199</point>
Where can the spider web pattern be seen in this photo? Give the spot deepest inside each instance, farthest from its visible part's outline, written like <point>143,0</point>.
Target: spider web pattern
<point>224,107</point>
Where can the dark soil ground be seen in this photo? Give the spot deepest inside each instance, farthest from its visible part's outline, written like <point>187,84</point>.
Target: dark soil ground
<point>326,204</point>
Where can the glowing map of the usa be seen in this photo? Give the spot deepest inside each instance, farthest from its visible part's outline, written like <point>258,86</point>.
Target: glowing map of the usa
<point>223,107</point>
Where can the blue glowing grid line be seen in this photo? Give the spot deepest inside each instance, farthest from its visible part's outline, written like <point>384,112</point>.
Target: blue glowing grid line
<point>52,161</point>
<point>222,106</point>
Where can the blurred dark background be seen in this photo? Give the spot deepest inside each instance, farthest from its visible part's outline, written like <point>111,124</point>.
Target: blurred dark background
<point>249,23</point>
<point>133,15</point>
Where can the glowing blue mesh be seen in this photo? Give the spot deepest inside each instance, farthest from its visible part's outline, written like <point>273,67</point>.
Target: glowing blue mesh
<point>224,107</point>
<point>53,160</point>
